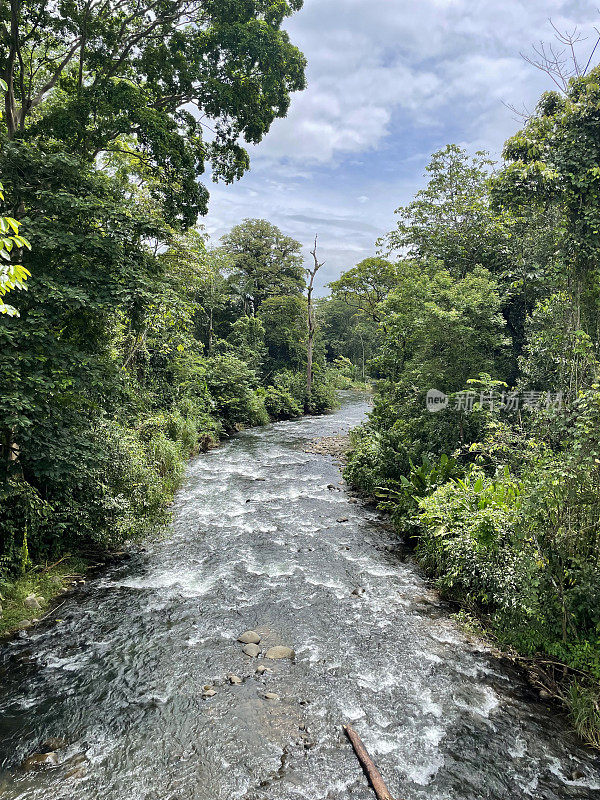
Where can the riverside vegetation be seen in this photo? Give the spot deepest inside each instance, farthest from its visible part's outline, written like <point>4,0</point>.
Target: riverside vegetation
<point>137,344</point>
<point>492,296</point>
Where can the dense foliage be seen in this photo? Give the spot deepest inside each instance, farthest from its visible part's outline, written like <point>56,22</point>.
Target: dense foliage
<point>494,302</point>
<point>137,344</point>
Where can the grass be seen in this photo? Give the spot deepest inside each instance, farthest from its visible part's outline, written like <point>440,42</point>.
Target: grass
<point>583,703</point>
<point>46,582</point>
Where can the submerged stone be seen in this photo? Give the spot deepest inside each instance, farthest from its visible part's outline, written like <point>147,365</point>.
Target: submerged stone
<point>280,651</point>
<point>249,637</point>
<point>40,761</point>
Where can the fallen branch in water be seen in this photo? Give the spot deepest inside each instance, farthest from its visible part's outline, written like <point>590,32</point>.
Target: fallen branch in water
<point>368,765</point>
<point>52,611</point>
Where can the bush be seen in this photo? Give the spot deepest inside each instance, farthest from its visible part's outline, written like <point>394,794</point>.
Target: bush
<point>231,384</point>
<point>280,404</point>
<point>365,468</point>
<point>468,540</point>
<point>323,396</point>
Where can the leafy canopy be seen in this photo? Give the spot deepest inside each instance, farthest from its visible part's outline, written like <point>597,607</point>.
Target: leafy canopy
<point>451,219</point>
<point>12,276</point>
<point>366,285</point>
<point>145,77</point>
<point>265,263</point>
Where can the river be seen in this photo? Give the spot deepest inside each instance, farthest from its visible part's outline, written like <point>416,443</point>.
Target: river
<point>256,543</point>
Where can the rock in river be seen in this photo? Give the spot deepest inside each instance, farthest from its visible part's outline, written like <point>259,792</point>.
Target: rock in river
<point>41,761</point>
<point>252,650</point>
<point>250,637</point>
<point>271,696</point>
<point>234,679</point>
<point>280,651</point>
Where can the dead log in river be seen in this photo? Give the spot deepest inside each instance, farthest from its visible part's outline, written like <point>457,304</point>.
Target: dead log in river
<point>368,765</point>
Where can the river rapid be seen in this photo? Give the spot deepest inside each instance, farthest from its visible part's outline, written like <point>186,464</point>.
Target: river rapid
<point>259,542</point>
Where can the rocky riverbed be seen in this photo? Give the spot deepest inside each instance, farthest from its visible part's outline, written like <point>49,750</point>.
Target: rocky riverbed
<point>336,446</point>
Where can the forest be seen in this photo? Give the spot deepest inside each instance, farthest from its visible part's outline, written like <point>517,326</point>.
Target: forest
<point>136,344</point>
<point>491,299</point>
<point>130,342</point>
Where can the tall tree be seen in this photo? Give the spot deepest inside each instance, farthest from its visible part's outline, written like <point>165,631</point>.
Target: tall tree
<point>144,77</point>
<point>265,262</point>
<point>366,285</point>
<point>451,219</point>
<point>191,264</point>
<point>12,275</point>
<point>347,333</point>
<point>553,167</point>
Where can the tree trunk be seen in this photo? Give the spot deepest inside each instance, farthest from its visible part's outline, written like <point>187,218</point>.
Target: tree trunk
<point>9,97</point>
<point>309,347</point>
<point>367,763</point>
<point>311,323</point>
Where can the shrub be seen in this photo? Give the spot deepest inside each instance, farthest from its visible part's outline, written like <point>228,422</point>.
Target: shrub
<point>231,384</point>
<point>280,404</point>
<point>365,468</point>
<point>322,397</point>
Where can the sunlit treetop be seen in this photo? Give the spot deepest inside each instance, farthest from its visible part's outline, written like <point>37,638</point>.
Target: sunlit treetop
<point>181,83</point>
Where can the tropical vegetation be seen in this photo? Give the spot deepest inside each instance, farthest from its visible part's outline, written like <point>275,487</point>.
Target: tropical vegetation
<point>137,342</point>
<point>491,305</point>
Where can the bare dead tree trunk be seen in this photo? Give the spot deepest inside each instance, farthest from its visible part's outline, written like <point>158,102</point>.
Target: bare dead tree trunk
<point>311,320</point>
<point>13,51</point>
<point>367,763</point>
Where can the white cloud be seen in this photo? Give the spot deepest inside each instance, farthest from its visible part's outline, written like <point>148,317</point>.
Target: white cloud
<point>388,81</point>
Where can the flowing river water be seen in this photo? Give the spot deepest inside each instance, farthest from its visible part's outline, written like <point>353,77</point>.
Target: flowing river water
<point>257,543</point>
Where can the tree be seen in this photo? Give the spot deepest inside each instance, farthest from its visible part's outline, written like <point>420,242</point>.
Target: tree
<point>553,168</point>
<point>451,219</point>
<point>441,330</point>
<point>103,76</point>
<point>366,285</point>
<point>310,319</point>
<point>12,276</point>
<point>347,333</point>
<point>284,323</point>
<point>247,339</point>
<point>199,272</point>
<point>562,61</point>
<point>265,262</point>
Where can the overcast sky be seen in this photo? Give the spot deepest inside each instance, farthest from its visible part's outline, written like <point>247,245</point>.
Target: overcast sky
<point>389,82</point>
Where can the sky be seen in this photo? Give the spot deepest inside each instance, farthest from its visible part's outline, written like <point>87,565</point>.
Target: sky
<point>388,83</point>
